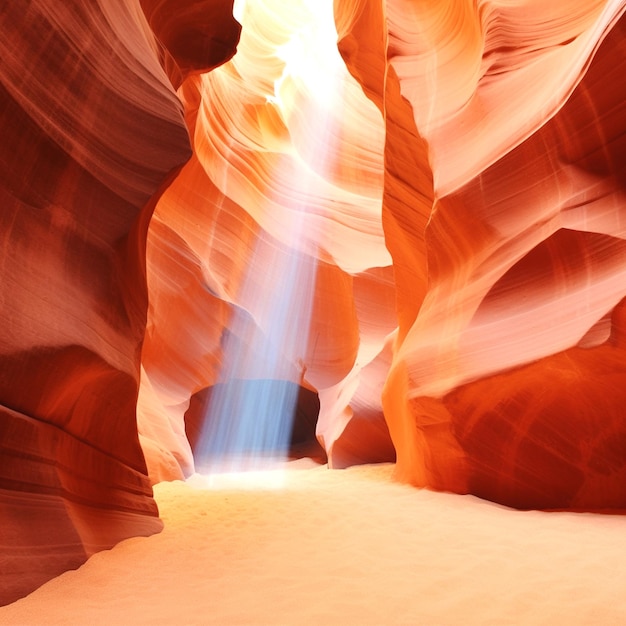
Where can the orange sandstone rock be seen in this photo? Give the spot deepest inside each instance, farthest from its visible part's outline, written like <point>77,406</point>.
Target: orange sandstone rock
<point>92,133</point>
<point>450,177</point>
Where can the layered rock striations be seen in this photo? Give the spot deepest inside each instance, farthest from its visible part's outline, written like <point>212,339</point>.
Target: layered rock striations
<point>92,131</point>
<point>448,177</point>
<point>507,381</point>
<point>482,149</point>
<point>283,138</point>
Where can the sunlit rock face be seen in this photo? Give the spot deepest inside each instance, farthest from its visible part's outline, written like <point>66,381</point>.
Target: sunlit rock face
<point>447,177</point>
<point>458,171</point>
<point>508,374</point>
<point>282,134</point>
<point>92,131</point>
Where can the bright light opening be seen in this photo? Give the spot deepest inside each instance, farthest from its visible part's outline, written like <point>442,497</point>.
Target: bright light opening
<point>250,415</point>
<point>311,56</point>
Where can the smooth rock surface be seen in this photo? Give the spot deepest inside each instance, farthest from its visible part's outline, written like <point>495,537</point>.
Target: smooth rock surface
<point>92,133</point>
<point>448,178</point>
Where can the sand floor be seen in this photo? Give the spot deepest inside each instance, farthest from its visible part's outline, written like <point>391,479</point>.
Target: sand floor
<point>348,547</point>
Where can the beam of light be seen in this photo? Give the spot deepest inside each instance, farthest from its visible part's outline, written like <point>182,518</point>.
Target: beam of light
<point>250,416</point>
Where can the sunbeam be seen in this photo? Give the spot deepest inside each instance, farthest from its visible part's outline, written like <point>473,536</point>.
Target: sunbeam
<point>250,416</point>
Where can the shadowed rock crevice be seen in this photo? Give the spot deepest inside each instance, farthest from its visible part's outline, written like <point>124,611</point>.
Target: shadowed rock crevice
<point>302,440</point>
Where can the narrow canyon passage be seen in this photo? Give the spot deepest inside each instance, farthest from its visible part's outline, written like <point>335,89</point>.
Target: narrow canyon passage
<point>409,218</point>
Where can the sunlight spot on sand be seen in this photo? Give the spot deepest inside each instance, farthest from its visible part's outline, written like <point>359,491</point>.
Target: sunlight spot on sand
<point>252,479</point>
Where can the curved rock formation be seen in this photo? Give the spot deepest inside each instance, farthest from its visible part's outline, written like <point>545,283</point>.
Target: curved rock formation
<point>524,258</point>
<point>446,177</point>
<point>92,130</point>
<point>489,276</point>
<point>272,148</point>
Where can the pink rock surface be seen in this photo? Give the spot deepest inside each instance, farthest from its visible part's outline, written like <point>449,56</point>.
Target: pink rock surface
<point>525,262</point>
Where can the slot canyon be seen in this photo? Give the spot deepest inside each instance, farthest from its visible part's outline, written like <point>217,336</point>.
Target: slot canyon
<point>409,215</point>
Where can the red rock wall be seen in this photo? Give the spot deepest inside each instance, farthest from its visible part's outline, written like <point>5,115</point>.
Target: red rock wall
<point>458,171</point>
<point>91,131</point>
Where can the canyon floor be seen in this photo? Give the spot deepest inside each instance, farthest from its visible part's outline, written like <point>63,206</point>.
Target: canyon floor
<point>309,545</point>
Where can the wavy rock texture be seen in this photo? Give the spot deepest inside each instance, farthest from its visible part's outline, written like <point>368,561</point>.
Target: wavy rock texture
<point>507,382</point>
<point>91,131</point>
<point>461,193</point>
<point>448,176</point>
<point>281,134</point>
